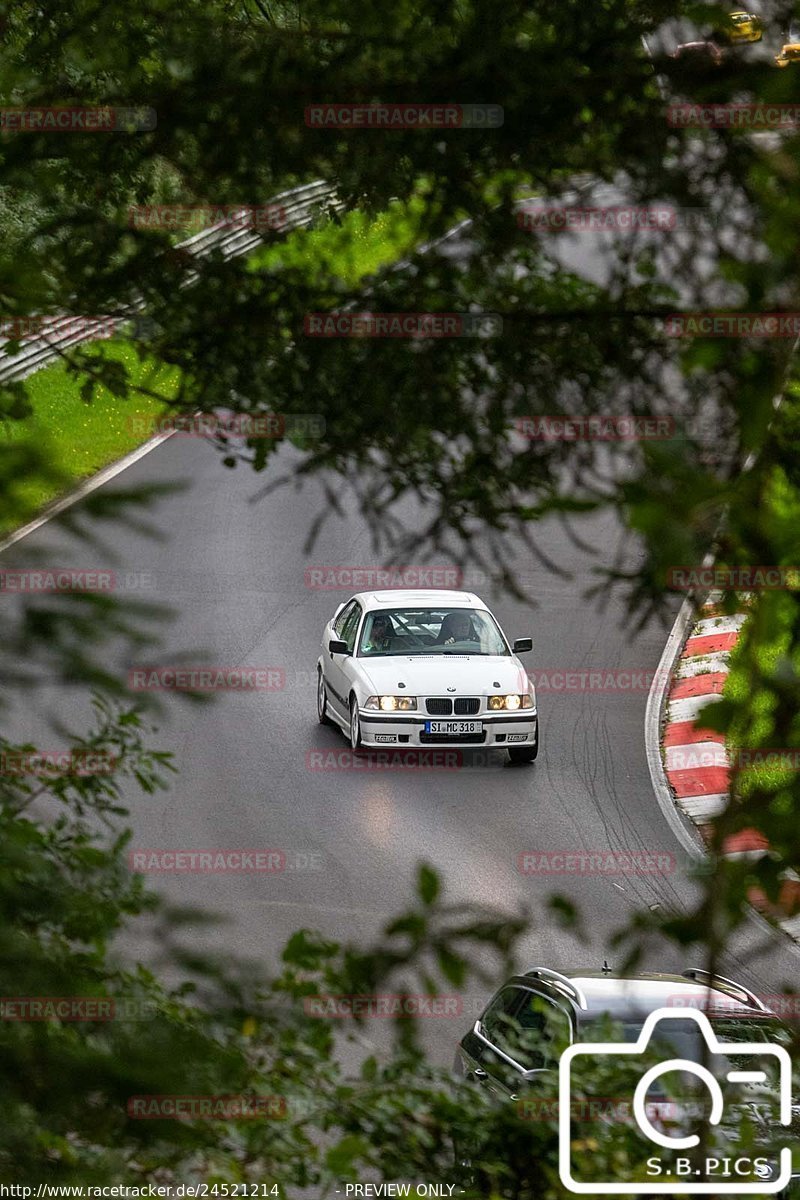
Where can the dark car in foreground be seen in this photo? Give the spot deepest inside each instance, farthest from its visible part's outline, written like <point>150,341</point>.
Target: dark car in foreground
<point>534,1012</point>
<point>514,1047</point>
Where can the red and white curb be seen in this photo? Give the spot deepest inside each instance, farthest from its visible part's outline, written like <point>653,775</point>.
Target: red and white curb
<point>695,760</point>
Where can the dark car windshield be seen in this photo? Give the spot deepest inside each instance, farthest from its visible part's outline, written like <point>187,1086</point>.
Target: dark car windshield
<point>403,631</point>
<point>683,1039</point>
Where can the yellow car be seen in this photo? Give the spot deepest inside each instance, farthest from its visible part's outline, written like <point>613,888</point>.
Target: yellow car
<point>743,27</point>
<point>789,53</point>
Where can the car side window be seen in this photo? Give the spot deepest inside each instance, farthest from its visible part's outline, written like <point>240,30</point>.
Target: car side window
<point>339,623</point>
<point>350,626</point>
<point>544,1032</point>
<point>528,1027</point>
<point>498,1020</point>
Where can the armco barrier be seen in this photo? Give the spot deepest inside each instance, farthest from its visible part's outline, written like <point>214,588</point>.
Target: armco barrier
<point>300,206</point>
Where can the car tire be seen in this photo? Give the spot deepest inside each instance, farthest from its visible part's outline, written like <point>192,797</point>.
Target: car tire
<point>356,744</point>
<point>322,700</point>
<point>524,754</point>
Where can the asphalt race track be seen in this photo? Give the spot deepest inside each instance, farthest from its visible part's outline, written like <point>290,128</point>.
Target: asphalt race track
<point>233,569</point>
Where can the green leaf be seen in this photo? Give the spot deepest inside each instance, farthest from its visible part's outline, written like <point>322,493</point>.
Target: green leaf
<point>428,884</point>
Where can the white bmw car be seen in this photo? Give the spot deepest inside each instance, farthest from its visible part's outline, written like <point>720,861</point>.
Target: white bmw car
<point>425,668</point>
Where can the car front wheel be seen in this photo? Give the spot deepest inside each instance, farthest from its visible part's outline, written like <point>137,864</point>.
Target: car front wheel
<point>322,700</point>
<point>524,754</point>
<point>355,727</point>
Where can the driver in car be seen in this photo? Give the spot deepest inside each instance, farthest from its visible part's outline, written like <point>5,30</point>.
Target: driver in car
<point>381,634</point>
<point>456,627</point>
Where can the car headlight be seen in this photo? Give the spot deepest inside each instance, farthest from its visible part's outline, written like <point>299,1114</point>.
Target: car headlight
<point>510,703</point>
<point>392,703</point>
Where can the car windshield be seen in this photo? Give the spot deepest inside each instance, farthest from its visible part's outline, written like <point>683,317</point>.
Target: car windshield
<point>682,1039</point>
<point>677,1039</point>
<point>427,631</point>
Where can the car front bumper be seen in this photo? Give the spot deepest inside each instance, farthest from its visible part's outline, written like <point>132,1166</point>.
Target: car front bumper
<point>499,730</point>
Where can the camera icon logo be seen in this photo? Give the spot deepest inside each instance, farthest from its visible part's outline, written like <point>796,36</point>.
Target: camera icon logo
<point>689,1179</point>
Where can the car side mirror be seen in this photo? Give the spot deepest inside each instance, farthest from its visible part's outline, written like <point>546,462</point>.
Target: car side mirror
<point>338,647</point>
<point>522,645</point>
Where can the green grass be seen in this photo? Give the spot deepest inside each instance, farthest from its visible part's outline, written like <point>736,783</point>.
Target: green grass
<point>766,655</point>
<point>768,652</point>
<point>351,249</point>
<point>79,438</point>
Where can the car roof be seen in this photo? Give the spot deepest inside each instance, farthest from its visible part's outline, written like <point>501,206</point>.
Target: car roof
<point>643,994</point>
<point>420,598</point>
<point>635,996</point>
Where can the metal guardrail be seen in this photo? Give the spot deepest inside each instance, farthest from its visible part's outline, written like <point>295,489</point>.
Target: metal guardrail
<point>299,207</point>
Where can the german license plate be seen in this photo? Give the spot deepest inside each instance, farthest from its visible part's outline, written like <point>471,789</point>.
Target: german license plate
<point>453,728</point>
